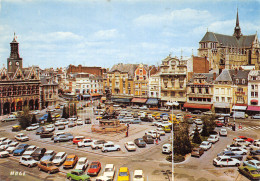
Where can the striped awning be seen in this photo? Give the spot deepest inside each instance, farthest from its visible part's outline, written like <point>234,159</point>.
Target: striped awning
<point>139,100</point>
<point>197,106</point>
<point>152,101</point>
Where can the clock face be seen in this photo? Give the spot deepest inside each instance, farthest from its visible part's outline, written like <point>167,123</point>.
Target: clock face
<point>17,63</point>
<point>10,63</point>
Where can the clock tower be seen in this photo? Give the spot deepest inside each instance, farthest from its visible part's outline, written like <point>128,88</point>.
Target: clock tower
<point>14,61</point>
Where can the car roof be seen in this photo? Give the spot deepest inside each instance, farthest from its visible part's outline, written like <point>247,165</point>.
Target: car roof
<point>138,172</point>
<point>79,137</point>
<point>71,156</point>
<point>123,169</point>
<point>204,142</point>
<point>60,153</point>
<point>254,161</point>
<point>109,166</point>
<point>109,143</point>
<point>49,151</point>
<point>223,156</point>
<point>26,156</point>
<point>82,158</point>
<point>32,146</point>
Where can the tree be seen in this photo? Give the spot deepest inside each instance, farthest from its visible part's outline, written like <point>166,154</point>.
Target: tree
<point>182,144</point>
<point>49,118</point>
<point>205,130</point>
<point>34,120</point>
<point>196,137</point>
<point>25,118</point>
<point>65,112</point>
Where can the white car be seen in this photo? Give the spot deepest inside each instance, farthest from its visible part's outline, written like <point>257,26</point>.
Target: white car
<point>143,108</point>
<point>57,134</point>
<point>225,161</point>
<point>12,146</point>
<point>85,142</point>
<point>5,144</point>
<point>30,150</point>
<point>35,112</point>
<point>160,131</point>
<point>130,146</point>
<point>198,121</point>
<point>167,148</point>
<point>255,146</point>
<point>82,163</point>
<point>241,142</point>
<point>109,171</point>
<point>213,138</point>
<point>79,122</point>
<point>193,131</point>
<point>152,133</point>
<point>72,119</point>
<point>59,158</point>
<point>28,161</point>
<point>61,122</point>
<point>138,175</point>
<point>205,145</point>
<point>50,128</point>
<point>4,154</point>
<point>32,127</point>
<point>3,139</point>
<point>235,146</point>
<point>223,132</point>
<point>21,137</point>
<point>164,124</point>
<point>240,151</point>
<point>110,146</point>
<point>98,144</point>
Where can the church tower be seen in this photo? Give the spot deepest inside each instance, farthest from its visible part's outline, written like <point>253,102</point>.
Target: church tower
<point>237,30</point>
<point>14,61</point>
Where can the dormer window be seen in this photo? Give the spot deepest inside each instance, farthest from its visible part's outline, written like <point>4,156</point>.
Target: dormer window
<point>243,81</point>
<point>237,81</point>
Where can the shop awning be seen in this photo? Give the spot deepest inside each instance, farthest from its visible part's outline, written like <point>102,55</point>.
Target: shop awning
<point>197,106</point>
<point>253,108</point>
<point>86,95</point>
<point>241,108</point>
<point>221,105</point>
<point>139,100</point>
<point>95,94</point>
<point>152,101</point>
<point>254,101</point>
<point>122,100</point>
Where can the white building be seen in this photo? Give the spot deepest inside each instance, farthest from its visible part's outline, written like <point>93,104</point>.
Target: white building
<point>154,86</point>
<point>253,88</point>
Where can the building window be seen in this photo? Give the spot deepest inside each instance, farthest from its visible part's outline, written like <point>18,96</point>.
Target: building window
<point>172,94</point>
<point>237,81</point>
<point>206,90</point>
<point>190,99</point>
<point>217,99</point>
<point>200,91</point>
<point>229,99</point>
<point>223,99</point>
<point>243,81</point>
<point>181,94</point>
<point>217,90</point>
<point>192,90</point>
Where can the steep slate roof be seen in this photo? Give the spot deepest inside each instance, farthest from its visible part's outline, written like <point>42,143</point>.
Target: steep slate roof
<point>45,82</point>
<point>224,76</point>
<point>208,76</point>
<point>240,75</point>
<point>128,68</point>
<point>227,40</point>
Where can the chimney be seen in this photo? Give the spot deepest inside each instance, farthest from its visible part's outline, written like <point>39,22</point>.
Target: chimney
<point>214,76</point>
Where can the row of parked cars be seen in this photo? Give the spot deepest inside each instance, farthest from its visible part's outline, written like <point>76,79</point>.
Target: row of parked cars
<point>234,154</point>
<point>49,161</point>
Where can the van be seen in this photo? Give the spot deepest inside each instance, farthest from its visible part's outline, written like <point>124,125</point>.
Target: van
<point>240,115</point>
<point>167,148</point>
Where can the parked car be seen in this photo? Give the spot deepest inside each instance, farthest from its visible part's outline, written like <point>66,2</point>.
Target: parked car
<point>44,117</point>
<point>252,163</point>
<point>223,132</point>
<point>152,133</point>
<point>225,161</point>
<point>154,108</point>
<point>98,144</point>
<point>140,142</point>
<point>135,121</point>
<point>87,121</point>
<point>39,130</point>
<point>38,153</point>
<point>4,154</point>
<point>257,116</point>
<point>135,107</point>
<point>205,145</point>
<point>197,152</point>
<point>255,146</point>
<point>143,107</point>
<point>48,166</point>
<point>241,142</point>
<point>198,121</point>
<point>29,151</point>
<point>72,124</point>
<point>77,139</point>
<point>48,155</point>
<point>70,162</point>
<point>85,142</point>
<point>46,134</point>
<point>164,109</point>
<point>235,146</point>
<point>160,131</point>
<point>21,137</point>
<point>166,129</point>
<point>110,146</point>
<point>130,146</point>
<point>82,163</point>
<point>20,149</point>
<point>61,127</point>
<point>167,148</point>
<point>138,175</point>
<point>77,175</point>
<point>123,174</point>
<point>255,152</point>
<point>59,158</point>
<point>57,134</point>
<point>231,154</point>
<point>196,112</point>
<point>94,168</point>
<point>219,124</point>
<point>213,138</point>
<point>239,151</point>
<point>28,161</point>
<point>50,128</point>
<point>246,139</point>
<point>148,139</point>
<point>250,172</point>
<point>79,122</point>
<point>109,172</point>
<point>64,137</point>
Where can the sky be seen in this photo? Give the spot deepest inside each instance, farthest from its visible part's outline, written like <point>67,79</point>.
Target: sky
<point>57,33</point>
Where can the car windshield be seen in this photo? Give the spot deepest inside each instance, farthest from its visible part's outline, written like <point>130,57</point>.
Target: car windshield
<point>258,164</point>
<point>70,159</point>
<point>49,164</point>
<point>256,172</point>
<point>58,157</point>
<point>93,166</point>
<point>212,137</point>
<point>138,176</point>
<point>108,169</point>
<point>30,149</point>
<point>218,158</point>
<point>81,163</point>
<point>205,144</point>
<point>131,144</point>
<point>123,174</point>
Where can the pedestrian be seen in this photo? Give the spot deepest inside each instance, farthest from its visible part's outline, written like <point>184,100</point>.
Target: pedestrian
<point>156,140</point>
<point>159,137</point>
<point>240,127</point>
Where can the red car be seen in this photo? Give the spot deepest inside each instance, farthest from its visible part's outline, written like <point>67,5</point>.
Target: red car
<point>188,116</point>
<point>219,124</point>
<point>77,139</point>
<point>246,139</point>
<point>94,168</point>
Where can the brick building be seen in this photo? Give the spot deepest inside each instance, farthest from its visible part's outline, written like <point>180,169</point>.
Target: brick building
<point>82,69</point>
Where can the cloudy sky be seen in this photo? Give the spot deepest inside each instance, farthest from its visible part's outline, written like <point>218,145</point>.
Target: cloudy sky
<point>56,33</point>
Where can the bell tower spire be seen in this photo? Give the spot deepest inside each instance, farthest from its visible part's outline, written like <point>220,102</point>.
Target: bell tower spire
<point>237,30</point>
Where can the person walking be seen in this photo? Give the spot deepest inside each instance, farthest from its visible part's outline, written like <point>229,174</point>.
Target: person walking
<point>159,136</point>
<point>156,141</point>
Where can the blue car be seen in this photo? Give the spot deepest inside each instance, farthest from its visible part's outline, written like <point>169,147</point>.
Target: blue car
<point>20,150</point>
<point>45,116</point>
<point>48,155</point>
<point>161,116</point>
<point>231,154</point>
<point>135,121</point>
<point>255,152</point>
<point>63,137</point>
<point>252,163</point>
